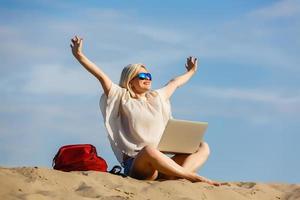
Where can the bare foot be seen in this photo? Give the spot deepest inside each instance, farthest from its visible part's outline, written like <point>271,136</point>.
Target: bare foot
<point>196,178</point>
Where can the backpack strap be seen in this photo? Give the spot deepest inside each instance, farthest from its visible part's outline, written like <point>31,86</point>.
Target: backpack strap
<point>116,170</point>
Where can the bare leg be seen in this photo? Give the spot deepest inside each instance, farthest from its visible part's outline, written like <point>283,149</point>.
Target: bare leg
<point>191,162</point>
<point>150,161</point>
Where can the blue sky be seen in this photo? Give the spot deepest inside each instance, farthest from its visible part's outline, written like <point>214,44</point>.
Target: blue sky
<point>247,85</point>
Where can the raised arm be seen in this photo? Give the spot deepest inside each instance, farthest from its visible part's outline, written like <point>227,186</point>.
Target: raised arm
<point>172,85</point>
<point>76,47</point>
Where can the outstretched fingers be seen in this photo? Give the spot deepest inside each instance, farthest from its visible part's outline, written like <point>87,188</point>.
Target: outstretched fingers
<point>191,59</point>
<point>191,63</point>
<point>76,40</point>
<point>76,45</point>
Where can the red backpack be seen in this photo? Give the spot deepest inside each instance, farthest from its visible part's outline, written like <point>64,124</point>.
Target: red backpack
<point>79,157</point>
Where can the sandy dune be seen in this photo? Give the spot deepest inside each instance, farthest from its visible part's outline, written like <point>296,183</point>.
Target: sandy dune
<point>41,183</point>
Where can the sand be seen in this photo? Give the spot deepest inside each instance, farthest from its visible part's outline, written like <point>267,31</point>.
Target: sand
<point>42,183</point>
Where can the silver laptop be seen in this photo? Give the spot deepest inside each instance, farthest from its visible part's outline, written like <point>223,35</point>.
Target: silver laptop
<point>181,136</point>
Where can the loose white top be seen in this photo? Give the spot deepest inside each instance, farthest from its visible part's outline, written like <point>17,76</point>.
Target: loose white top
<point>134,123</point>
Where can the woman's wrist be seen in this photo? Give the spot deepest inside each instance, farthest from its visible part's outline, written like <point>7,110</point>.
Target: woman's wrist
<point>79,55</point>
<point>191,71</point>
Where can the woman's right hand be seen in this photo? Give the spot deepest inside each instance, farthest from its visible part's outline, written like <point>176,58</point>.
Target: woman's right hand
<point>77,46</point>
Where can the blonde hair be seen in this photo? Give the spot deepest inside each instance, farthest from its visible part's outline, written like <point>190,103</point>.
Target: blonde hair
<point>128,73</point>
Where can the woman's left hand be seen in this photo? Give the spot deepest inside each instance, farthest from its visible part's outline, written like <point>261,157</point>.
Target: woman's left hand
<point>191,64</point>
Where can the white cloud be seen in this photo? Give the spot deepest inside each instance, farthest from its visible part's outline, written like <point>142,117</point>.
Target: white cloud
<point>254,39</point>
<point>160,34</point>
<point>56,79</point>
<point>283,8</point>
<point>257,95</point>
<point>257,106</point>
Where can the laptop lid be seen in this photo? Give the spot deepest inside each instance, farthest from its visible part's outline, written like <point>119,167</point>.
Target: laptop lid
<point>181,136</point>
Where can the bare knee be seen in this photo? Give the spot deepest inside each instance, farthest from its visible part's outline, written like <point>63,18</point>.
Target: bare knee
<point>142,166</point>
<point>204,148</point>
<point>150,151</point>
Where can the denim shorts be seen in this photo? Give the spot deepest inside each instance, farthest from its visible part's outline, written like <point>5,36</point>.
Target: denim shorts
<point>127,165</point>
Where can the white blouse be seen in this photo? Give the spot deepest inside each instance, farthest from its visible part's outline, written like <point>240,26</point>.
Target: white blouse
<point>134,123</point>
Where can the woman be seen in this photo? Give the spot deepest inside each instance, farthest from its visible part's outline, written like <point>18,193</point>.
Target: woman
<point>135,117</point>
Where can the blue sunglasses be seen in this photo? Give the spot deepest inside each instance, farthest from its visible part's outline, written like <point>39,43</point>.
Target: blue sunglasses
<point>144,76</point>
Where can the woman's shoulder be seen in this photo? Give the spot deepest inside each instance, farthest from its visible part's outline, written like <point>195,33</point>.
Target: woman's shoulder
<point>153,93</point>
<point>161,92</point>
<point>116,89</point>
<point>157,95</point>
